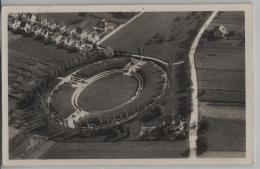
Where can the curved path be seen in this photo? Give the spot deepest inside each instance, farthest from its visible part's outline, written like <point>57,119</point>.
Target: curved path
<point>150,58</point>
<point>194,113</point>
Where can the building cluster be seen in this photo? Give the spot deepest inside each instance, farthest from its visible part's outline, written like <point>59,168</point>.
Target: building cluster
<point>174,127</point>
<point>222,32</point>
<point>40,28</point>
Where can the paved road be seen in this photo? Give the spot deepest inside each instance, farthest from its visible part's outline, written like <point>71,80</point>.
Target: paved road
<point>194,113</point>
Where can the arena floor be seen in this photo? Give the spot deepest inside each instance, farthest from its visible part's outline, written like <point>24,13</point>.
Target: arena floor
<point>107,92</point>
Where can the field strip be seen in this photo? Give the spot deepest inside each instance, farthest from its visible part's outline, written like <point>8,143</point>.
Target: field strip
<point>118,28</point>
<point>222,112</point>
<point>194,113</point>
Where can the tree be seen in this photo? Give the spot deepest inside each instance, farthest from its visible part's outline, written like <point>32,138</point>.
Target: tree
<point>82,14</point>
<point>203,125</point>
<point>139,51</point>
<point>202,145</point>
<point>177,19</point>
<point>79,29</point>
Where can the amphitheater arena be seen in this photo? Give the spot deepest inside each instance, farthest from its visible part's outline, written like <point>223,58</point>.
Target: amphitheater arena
<point>106,93</point>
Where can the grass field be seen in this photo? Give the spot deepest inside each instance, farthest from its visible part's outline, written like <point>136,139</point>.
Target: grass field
<point>108,92</point>
<point>21,77</point>
<point>161,35</point>
<point>113,16</point>
<point>46,53</point>
<point>117,150</point>
<point>63,18</point>
<point>62,101</point>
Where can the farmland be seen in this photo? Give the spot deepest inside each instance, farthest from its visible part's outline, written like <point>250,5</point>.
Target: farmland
<point>220,67</point>
<point>215,63</point>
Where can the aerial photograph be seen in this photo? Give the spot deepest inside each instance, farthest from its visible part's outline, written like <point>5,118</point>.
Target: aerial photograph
<point>126,85</point>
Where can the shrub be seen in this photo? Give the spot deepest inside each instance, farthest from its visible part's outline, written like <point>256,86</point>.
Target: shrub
<point>177,19</point>
<point>187,18</point>
<point>202,145</point>
<point>156,36</point>
<point>160,40</point>
<point>172,38</point>
<point>193,13</point>
<point>148,42</point>
<point>122,15</point>
<point>203,125</point>
<point>82,14</point>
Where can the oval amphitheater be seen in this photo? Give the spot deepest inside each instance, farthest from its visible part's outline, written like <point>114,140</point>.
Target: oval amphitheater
<point>107,93</point>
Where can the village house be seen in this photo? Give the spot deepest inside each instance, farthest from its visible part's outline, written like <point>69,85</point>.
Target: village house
<point>220,31</point>
<point>101,26</point>
<point>16,25</point>
<point>93,37</point>
<point>63,30</point>
<point>33,19</point>
<point>53,27</point>
<point>84,35</point>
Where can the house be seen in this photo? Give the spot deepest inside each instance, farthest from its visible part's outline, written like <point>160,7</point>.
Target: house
<point>220,31</point>
<point>74,34</point>
<point>59,40</point>
<point>16,25</point>
<point>14,15</point>
<point>71,44</point>
<point>33,19</point>
<point>102,23</point>
<point>63,29</point>
<point>27,28</point>
<point>101,26</point>
<point>84,35</point>
<point>93,37</point>
<point>53,27</point>
<point>44,23</point>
